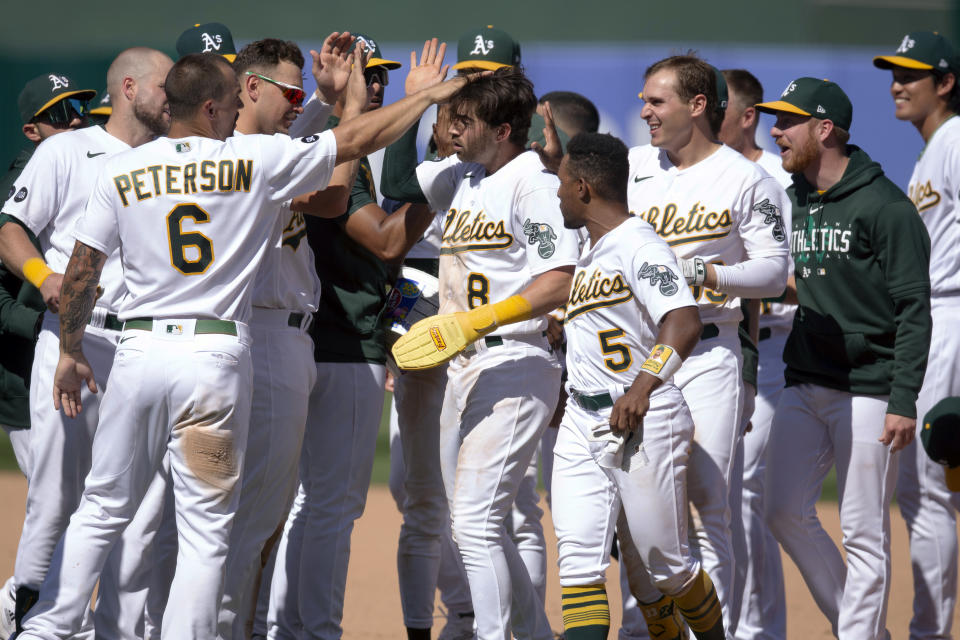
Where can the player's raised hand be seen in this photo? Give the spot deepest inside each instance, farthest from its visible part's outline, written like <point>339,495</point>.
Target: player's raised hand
<point>331,66</point>
<point>898,431</point>
<point>50,290</point>
<point>629,410</point>
<point>358,95</point>
<point>552,153</point>
<point>72,371</point>
<point>430,71</point>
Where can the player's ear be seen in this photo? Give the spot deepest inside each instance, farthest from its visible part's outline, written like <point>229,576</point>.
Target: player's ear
<point>32,133</point>
<point>748,117</point>
<point>503,132</point>
<point>698,104</point>
<point>946,84</point>
<point>251,86</point>
<point>128,87</point>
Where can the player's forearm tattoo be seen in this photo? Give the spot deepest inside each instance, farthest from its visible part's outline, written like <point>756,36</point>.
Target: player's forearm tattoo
<point>78,294</point>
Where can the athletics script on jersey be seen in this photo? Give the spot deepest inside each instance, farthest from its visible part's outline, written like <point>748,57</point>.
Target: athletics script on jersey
<point>466,231</point>
<point>193,177</point>
<point>924,196</point>
<point>696,225</point>
<point>596,291</point>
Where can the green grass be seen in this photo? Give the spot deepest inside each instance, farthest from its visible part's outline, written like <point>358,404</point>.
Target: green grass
<point>381,462</point>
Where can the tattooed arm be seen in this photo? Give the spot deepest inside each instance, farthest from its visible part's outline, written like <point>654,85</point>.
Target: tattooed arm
<point>77,297</point>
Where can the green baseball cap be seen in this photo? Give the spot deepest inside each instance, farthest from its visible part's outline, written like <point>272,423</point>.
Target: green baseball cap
<point>103,106</point>
<point>921,50</point>
<point>940,436</point>
<point>211,37</point>
<point>377,59</point>
<point>723,95</point>
<point>487,48</point>
<point>813,97</point>
<point>44,91</point>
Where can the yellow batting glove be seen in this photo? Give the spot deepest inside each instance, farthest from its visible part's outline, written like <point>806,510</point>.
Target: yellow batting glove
<point>435,340</point>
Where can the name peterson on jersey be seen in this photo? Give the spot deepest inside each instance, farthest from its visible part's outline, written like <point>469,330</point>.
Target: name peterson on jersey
<point>622,288</point>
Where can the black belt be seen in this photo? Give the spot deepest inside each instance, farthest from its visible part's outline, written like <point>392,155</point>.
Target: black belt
<point>765,333</point>
<point>427,265</point>
<point>710,331</point>
<point>295,320</point>
<point>111,322</point>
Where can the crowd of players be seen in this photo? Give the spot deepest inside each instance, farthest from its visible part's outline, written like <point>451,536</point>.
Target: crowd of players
<point>221,383</point>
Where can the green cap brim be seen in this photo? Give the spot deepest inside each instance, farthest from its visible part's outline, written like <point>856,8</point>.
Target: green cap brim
<point>89,93</point>
<point>780,105</point>
<point>380,62</point>
<point>487,65</point>
<point>888,62</point>
<point>952,475</point>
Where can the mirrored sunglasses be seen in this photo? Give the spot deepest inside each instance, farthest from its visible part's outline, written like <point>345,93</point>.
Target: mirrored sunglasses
<point>294,95</point>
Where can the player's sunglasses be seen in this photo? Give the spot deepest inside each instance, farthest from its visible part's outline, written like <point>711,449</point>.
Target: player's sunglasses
<point>62,113</point>
<point>377,74</point>
<point>294,95</point>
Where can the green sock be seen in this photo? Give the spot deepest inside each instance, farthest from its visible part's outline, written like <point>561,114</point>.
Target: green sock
<point>700,607</point>
<point>586,612</point>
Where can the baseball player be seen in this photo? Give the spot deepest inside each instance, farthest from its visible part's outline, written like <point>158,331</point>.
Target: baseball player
<point>855,357</point>
<point>352,251</point>
<point>926,92</point>
<point>758,585</point>
<point>184,373</point>
<point>427,558</point>
<point>49,104</point>
<point>505,260</point>
<point>625,436</point>
<point>723,217</point>
<point>285,296</point>
<point>50,195</point>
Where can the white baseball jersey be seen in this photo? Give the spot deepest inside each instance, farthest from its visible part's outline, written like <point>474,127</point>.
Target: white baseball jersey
<point>771,164</point>
<point>287,278</point>
<point>622,288</point>
<point>933,188</point>
<point>195,215</point>
<point>777,314</point>
<point>52,192</point>
<point>429,245</point>
<point>724,209</point>
<point>499,231</point>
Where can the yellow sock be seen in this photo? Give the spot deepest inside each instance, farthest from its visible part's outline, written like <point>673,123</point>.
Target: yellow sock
<point>663,620</point>
<point>700,607</point>
<point>586,612</point>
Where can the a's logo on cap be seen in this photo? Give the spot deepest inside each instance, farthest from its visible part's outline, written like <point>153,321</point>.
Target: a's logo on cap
<point>790,89</point>
<point>368,44</point>
<point>59,82</point>
<point>211,43</point>
<point>820,109</point>
<point>481,46</point>
<point>943,63</point>
<point>906,45</point>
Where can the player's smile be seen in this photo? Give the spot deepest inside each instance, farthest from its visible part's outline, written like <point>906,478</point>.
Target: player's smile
<point>914,93</point>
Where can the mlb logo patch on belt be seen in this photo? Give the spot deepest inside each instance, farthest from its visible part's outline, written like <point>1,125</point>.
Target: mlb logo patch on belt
<point>174,329</point>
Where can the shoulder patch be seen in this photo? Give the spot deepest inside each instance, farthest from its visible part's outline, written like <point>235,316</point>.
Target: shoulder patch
<point>21,195</point>
<point>309,139</point>
<point>660,275</point>
<point>542,233</point>
<point>771,216</point>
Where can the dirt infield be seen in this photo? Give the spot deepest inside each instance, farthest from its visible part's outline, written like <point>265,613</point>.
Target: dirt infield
<point>373,603</point>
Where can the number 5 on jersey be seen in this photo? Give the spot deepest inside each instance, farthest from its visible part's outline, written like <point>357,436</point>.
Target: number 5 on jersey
<point>180,240</point>
<point>609,347</point>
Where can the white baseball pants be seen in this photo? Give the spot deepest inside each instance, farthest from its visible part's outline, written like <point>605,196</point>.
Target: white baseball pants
<point>310,575</point>
<point>424,558</point>
<point>929,508</point>
<point>587,499</point>
<point>759,575</point>
<point>283,375</point>
<point>813,429</point>
<point>174,392</point>
<point>497,403</point>
<point>20,443</point>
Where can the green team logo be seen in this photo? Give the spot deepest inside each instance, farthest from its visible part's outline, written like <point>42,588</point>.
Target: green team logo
<point>542,233</point>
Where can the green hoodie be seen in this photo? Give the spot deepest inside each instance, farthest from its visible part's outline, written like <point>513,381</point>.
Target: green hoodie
<point>862,259</point>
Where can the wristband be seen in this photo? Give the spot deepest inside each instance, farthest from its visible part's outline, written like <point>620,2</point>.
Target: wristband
<point>513,309</point>
<point>662,362</point>
<point>35,271</point>
<point>694,271</point>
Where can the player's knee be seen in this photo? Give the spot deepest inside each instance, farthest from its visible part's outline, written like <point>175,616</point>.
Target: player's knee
<point>676,583</point>
<point>780,518</point>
